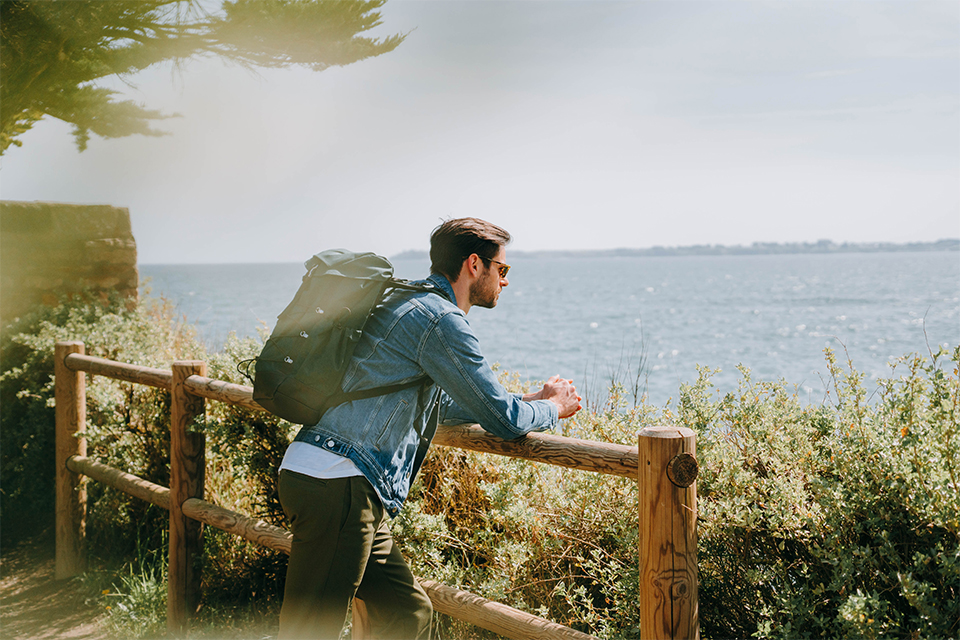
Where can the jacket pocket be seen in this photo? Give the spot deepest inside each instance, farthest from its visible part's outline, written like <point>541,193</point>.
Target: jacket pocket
<point>391,424</point>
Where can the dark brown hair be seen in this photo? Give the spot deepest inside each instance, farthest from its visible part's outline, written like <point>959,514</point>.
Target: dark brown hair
<point>456,239</point>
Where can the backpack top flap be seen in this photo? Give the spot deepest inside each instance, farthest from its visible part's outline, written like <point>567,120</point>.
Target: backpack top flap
<point>339,287</point>
<point>367,266</point>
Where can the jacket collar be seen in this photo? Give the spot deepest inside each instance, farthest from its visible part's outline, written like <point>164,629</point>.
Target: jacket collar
<point>440,281</point>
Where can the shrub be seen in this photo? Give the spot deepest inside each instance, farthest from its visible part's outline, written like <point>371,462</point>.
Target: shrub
<point>128,425</point>
<point>244,451</point>
<point>837,519</point>
<point>555,542</point>
<point>833,520</point>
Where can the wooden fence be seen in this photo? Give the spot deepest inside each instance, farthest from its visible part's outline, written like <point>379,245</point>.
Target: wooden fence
<point>664,465</point>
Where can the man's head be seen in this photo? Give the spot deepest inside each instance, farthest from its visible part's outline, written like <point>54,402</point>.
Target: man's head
<point>474,247</point>
<point>455,240</point>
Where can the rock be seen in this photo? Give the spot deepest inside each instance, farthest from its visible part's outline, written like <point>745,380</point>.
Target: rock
<point>49,250</point>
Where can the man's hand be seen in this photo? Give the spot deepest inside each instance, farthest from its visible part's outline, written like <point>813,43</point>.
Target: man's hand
<point>560,392</point>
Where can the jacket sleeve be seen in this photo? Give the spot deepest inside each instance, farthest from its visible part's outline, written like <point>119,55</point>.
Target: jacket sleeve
<point>450,355</point>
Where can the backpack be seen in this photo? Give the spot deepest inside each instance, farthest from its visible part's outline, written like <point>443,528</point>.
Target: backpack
<point>298,373</point>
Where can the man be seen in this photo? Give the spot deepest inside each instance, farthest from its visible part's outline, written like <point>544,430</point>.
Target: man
<point>341,477</point>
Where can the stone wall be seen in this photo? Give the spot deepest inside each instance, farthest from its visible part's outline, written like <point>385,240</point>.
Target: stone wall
<point>48,249</point>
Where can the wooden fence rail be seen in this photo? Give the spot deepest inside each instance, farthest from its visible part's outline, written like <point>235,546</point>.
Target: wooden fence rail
<point>453,602</point>
<point>585,455</point>
<point>664,465</point>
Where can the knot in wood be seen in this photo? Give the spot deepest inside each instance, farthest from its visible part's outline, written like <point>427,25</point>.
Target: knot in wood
<point>682,469</point>
<point>679,590</point>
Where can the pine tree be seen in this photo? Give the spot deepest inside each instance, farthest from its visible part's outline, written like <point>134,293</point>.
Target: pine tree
<point>53,52</point>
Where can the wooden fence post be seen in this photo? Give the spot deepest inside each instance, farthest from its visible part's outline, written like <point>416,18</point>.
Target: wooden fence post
<point>70,394</point>
<point>667,468</point>
<point>187,462</point>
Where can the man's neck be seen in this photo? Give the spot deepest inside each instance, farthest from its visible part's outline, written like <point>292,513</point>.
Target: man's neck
<point>461,289</point>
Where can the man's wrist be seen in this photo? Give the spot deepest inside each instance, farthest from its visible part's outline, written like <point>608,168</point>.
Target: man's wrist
<point>554,412</point>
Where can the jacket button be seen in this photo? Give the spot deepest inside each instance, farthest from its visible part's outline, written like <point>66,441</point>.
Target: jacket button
<point>330,443</point>
<point>316,438</point>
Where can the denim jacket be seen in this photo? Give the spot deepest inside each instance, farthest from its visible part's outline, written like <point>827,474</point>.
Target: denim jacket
<point>407,336</point>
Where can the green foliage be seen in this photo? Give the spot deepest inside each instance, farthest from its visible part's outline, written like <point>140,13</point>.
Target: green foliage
<point>53,52</point>
<point>560,544</point>
<point>555,542</point>
<point>128,425</point>
<point>244,451</point>
<point>136,606</point>
<point>280,33</point>
<point>834,520</point>
<point>250,444</point>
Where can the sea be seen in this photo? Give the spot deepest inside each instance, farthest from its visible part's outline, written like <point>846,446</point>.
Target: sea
<point>648,323</point>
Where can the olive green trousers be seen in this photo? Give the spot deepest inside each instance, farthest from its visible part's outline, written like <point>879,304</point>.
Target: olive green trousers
<point>342,548</point>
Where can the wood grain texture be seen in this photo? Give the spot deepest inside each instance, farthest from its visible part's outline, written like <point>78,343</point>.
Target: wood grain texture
<point>496,617</point>
<point>256,531</point>
<point>121,480</point>
<point>573,453</point>
<point>120,371</point>
<point>213,389</point>
<point>187,461</point>
<point>70,395</point>
<point>669,603</point>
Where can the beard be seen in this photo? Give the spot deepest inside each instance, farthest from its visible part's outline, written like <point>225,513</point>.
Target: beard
<point>485,293</point>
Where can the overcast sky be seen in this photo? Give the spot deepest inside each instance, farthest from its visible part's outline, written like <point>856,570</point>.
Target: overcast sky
<point>576,125</point>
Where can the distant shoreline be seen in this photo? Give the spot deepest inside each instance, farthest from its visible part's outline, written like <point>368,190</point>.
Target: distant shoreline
<point>757,248</point>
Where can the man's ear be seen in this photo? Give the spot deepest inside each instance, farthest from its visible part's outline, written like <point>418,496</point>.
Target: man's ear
<point>471,264</point>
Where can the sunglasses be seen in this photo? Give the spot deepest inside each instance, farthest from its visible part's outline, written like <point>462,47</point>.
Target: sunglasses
<point>504,268</point>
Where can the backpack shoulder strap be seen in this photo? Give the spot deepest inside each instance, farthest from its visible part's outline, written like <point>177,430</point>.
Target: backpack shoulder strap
<point>340,397</point>
<point>406,285</point>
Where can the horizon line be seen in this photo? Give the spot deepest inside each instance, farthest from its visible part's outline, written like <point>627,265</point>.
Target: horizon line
<point>755,248</point>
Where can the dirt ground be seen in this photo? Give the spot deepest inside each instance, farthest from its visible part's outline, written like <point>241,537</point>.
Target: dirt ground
<point>35,606</point>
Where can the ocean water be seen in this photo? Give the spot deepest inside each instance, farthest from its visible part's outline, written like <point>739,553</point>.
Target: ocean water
<point>651,320</point>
